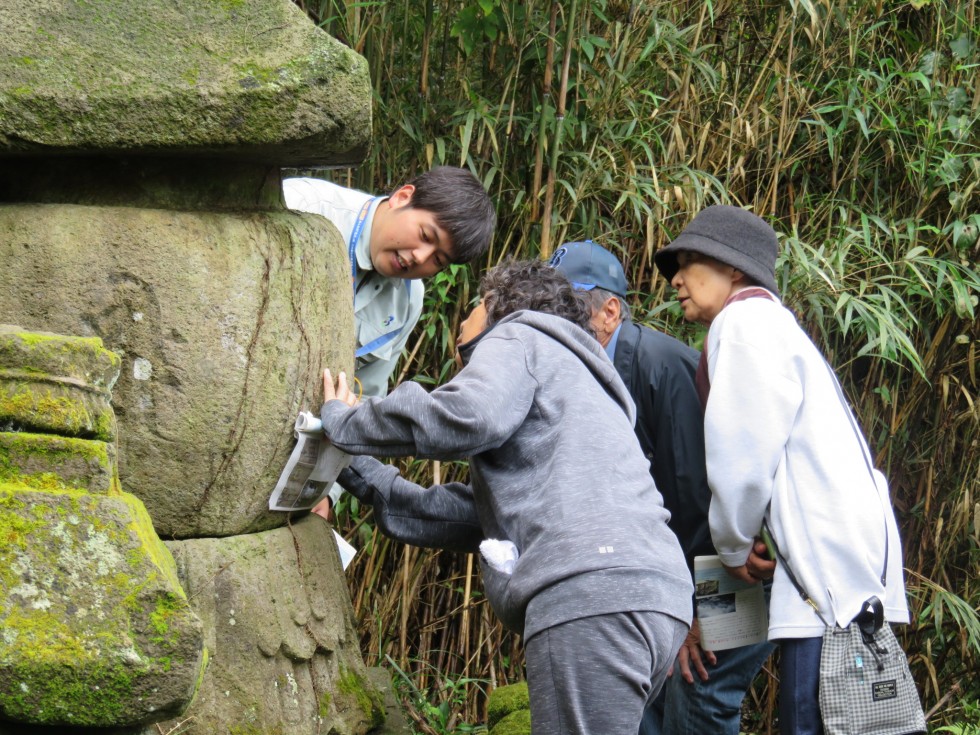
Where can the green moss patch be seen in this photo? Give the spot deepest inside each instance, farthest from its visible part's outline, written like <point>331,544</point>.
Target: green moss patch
<point>94,628</point>
<point>516,723</point>
<point>82,359</point>
<point>368,700</point>
<point>56,408</point>
<point>46,462</point>
<point>505,700</point>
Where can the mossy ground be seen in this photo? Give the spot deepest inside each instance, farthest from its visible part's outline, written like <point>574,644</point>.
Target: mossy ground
<point>505,700</point>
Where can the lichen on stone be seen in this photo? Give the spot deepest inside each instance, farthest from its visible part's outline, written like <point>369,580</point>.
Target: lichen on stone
<point>93,632</point>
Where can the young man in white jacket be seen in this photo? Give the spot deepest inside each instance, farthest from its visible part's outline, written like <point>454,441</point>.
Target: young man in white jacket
<point>782,447</point>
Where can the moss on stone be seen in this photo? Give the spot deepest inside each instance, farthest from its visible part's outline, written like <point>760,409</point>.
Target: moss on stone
<point>150,98</point>
<point>367,698</point>
<point>46,462</point>
<point>86,634</point>
<point>516,723</point>
<point>83,359</point>
<point>167,606</point>
<point>56,408</point>
<point>324,705</point>
<point>48,696</point>
<point>505,700</point>
<point>157,552</point>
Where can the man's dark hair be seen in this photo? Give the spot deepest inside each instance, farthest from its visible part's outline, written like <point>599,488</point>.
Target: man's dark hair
<point>461,207</point>
<point>534,285</point>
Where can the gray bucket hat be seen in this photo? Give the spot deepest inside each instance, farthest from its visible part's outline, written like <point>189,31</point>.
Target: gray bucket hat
<point>730,235</point>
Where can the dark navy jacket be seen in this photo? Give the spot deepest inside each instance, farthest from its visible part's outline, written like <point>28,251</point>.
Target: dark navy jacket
<point>659,374</point>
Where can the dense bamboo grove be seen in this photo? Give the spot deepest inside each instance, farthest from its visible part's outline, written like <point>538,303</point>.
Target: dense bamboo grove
<point>852,126</point>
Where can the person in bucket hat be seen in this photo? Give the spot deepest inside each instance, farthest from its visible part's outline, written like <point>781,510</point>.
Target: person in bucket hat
<point>706,691</point>
<point>782,449</point>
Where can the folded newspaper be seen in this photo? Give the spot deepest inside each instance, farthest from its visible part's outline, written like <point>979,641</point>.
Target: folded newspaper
<point>311,469</point>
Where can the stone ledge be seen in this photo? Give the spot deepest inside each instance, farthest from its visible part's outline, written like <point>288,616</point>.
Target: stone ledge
<point>250,80</point>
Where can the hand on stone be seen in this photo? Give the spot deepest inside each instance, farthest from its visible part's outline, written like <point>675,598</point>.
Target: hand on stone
<point>341,393</point>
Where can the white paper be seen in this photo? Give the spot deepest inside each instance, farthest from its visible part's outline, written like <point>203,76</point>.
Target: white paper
<point>501,555</point>
<point>731,613</point>
<point>311,469</point>
<point>347,552</point>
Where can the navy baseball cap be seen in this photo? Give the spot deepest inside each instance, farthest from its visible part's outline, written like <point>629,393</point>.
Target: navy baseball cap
<point>588,265</point>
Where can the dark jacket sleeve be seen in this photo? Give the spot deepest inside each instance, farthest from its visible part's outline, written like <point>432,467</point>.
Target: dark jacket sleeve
<point>438,517</point>
<point>659,372</point>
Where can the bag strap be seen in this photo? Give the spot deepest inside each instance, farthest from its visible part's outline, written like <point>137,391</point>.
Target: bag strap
<point>872,605</point>
<point>866,454</point>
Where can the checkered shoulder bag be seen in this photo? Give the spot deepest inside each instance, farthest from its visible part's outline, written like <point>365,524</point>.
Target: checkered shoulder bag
<point>865,684</point>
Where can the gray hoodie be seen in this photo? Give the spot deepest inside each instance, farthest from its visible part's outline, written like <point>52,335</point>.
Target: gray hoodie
<point>555,467</point>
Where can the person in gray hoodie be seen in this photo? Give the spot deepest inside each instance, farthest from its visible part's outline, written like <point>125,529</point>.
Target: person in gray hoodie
<point>596,582</point>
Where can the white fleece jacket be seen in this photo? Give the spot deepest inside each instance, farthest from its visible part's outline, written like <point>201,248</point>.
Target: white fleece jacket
<point>781,444</point>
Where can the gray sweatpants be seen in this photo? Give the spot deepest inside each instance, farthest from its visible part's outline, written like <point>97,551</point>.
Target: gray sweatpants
<point>594,676</point>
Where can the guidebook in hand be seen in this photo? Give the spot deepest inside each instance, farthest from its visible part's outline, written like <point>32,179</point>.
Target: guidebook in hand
<point>731,612</point>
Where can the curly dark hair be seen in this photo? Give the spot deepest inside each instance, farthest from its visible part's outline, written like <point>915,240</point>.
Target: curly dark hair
<point>533,284</point>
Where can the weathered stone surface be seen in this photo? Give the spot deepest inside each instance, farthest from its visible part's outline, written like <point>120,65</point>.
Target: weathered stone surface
<point>46,462</point>
<point>57,384</point>
<point>95,627</point>
<point>396,723</point>
<point>250,80</point>
<point>279,626</point>
<point>45,403</point>
<point>82,361</point>
<point>225,322</point>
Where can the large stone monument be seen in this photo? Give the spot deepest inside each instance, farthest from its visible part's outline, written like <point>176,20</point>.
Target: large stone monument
<point>140,205</point>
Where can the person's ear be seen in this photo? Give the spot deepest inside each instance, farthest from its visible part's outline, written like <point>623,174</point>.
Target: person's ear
<point>612,311</point>
<point>738,278</point>
<point>402,196</point>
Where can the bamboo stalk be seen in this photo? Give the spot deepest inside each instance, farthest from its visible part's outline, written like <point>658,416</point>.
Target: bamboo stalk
<point>549,196</point>
<point>549,60</point>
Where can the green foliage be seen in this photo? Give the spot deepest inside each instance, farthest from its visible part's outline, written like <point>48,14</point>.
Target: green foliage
<point>854,128</point>
<point>437,712</point>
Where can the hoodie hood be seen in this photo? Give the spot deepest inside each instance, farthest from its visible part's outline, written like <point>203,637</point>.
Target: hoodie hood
<point>573,338</point>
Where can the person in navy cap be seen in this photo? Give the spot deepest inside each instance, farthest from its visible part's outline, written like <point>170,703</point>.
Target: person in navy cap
<point>659,373</point>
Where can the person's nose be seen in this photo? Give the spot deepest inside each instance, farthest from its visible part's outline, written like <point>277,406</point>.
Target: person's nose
<point>676,280</point>
<point>422,252</point>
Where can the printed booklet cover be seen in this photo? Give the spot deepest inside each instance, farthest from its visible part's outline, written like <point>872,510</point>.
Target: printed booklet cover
<point>731,613</point>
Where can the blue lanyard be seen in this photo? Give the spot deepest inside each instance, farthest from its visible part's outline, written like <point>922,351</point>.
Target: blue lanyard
<point>351,247</point>
<point>355,236</point>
